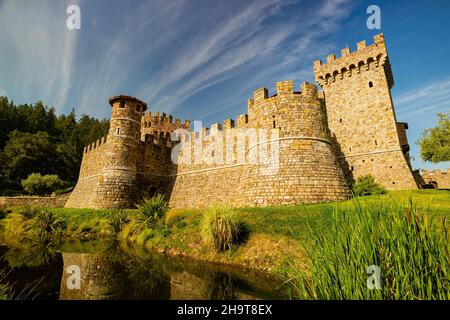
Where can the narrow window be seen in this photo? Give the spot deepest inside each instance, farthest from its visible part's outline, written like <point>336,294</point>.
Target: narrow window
<point>118,131</point>
<point>349,149</point>
<point>340,120</point>
<point>351,168</point>
<point>376,143</point>
<point>122,104</point>
<point>274,124</point>
<point>370,84</point>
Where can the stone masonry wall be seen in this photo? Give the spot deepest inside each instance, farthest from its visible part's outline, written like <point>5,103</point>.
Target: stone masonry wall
<point>361,114</point>
<point>53,202</point>
<point>160,123</point>
<point>442,178</point>
<point>90,173</point>
<point>305,170</point>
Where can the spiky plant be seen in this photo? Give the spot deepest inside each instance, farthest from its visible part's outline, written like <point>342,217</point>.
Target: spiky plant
<point>117,219</point>
<point>152,210</point>
<point>28,212</point>
<point>220,227</point>
<point>47,223</point>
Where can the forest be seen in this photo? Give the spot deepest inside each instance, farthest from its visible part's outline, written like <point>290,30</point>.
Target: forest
<point>35,140</point>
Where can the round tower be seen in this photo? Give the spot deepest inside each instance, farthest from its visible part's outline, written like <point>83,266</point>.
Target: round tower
<point>119,185</point>
<point>303,168</point>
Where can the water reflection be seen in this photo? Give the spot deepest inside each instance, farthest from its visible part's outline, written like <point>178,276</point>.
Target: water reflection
<point>120,271</point>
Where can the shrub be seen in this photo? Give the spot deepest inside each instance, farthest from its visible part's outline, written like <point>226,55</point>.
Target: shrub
<point>411,251</point>
<point>220,227</point>
<point>366,185</point>
<point>117,219</point>
<point>36,184</point>
<point>47,223</point>
<point>28,212</point>
<point>152,210</point>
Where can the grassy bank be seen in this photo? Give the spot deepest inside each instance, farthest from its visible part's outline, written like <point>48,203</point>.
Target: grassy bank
<point>278,241</point>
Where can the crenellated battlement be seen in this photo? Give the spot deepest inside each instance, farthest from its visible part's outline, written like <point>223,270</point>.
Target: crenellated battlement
<point>284,89</point>
<point>161,119</point>
<point>95,145</point>
<point>350,63</point>
<point>159,139</point>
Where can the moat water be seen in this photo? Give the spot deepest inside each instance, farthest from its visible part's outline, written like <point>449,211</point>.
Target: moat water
<point>111,270</point>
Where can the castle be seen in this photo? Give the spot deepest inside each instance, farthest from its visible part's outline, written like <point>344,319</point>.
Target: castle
<point>313,144</point>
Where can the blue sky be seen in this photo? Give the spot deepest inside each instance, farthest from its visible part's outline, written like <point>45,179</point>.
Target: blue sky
<point>201,60</point>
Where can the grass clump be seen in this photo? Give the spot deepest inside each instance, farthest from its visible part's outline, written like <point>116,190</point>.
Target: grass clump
<point>47,223</point>
<point>28,212</point>
<point>221,227</point>
<point>117,220</point>
<point>152,211</point>
<point>411,251</point>
<point>6,291</point>
<point>366,185</point>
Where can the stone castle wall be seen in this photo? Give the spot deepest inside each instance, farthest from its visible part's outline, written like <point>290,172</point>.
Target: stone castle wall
<point>53,202</point>
<point>306,169</point>
<point>324,140</point>
<point>161,123</point>
<point>441,178</point>
<point>361,115</point>
<point>90,173</point>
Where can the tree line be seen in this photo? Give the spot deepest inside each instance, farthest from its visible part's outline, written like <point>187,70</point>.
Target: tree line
<point>33,139</point>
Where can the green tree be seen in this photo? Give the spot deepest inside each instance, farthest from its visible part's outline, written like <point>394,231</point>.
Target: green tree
<point>68,146</point>
<point>38,184</point>
<point>34,139</point>
<point>435,142</point>
<point>366,185</point>
<point>27,152</point>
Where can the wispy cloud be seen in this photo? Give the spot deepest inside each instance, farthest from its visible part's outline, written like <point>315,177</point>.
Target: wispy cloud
<point>39,50</point>
<point>431,98</point>
<point>198,58</point>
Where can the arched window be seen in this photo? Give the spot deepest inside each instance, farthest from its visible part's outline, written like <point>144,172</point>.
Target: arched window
<point>122,104</point>
<point>370,84</point>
